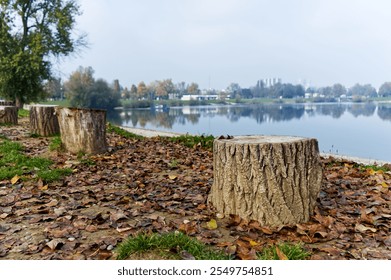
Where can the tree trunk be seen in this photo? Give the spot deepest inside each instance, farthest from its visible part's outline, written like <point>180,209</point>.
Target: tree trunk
<point>82,130</point>
<point>8,114</point>
<point>43,120</point>
<point>272,179</point>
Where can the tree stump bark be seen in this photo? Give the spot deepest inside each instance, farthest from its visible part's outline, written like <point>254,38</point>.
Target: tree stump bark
<point>8,114</point>
<point>82,130</point>
<point>271,179</point>
<point>43,120</point>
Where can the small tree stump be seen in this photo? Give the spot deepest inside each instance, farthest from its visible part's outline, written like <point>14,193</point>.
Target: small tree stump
<point>82,130</point>
<point>271,179</point>
<point>9,114</point>
<point>43,120</point>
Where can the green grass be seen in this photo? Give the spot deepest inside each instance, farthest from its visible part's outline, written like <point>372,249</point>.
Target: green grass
<point>291,251</point>
<point>13,162</point>
<point>55,143</point>
<point>122,132</point>
<point>205,141</point>
<point>169,245</point>
<point>376,168</point>
<point>22,113</point>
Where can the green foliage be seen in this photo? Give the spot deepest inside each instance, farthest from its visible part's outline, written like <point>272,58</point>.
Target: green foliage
<point>14,162</point>
<point>53,175</point>
<point>384,168</point>
<point>31,34</point>
<point>121,132</point>
<point>83,91</point>
<point>23,113</point>
<point>193,141</point>
<point>55,143</point>
<point>291,251</point>
<point>138,104</point>
<point>176,242</point>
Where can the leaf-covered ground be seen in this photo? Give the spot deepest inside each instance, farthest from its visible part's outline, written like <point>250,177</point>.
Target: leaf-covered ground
<point>154,185</point>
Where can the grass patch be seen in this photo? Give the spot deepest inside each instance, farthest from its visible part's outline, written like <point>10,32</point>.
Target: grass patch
<point>13,162</point>
<point>169,246</point>
<point>291,251</point>
<point>55,144</point>
<point>194,141</point>
<point>376,168</point>
<point>23,113</point>
<point>122,132</point>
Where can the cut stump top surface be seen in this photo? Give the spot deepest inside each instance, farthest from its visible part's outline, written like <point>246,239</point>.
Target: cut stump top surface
<point>261,139</point>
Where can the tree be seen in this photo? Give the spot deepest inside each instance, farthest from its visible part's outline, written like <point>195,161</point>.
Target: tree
<point>234,90</point>
<point>53,88</point>
<point>338,90</point>
<point>363,90</point>
<point>385,89</point>
<point>78,85</point>
<point>164,88</point>
<point>102,96</point>
<point>142,90</point>
<point>133,91</point>
<point>84,91</point>
<point>116,87</point>
<point>32,33</point>
<point>193,88</point>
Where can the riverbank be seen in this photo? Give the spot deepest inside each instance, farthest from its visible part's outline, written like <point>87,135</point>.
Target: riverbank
<point>154,133</point>
<point>152,184</point>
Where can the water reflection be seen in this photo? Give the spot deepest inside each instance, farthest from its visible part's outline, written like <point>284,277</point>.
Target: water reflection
<point>260,113</point>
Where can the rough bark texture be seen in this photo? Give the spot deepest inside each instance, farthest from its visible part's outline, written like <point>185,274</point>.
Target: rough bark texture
<point>272,179</point>
<point>82,130</point>
<point>9,114</point>
<point>43,120</point>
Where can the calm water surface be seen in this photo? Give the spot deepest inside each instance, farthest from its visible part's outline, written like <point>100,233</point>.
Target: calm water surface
<point>361,130</point>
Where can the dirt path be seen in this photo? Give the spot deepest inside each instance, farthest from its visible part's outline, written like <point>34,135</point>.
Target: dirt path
<point>154,185</point>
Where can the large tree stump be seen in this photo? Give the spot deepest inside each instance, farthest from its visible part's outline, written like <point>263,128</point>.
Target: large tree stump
<point>82,130</point>
<point>8,115</point>
<point>43,120</point>
<point>272,179</point>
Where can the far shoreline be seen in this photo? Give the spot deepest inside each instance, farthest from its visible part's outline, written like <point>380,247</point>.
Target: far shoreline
<point>155,133</point>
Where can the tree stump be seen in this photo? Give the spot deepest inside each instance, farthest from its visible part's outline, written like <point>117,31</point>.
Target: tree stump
<point>43,120</point>
<point>274,180</point>
<point>82,130</point>
<point>8,115</point>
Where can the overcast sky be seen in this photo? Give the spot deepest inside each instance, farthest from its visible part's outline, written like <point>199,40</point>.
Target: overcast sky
<point>217,42</point>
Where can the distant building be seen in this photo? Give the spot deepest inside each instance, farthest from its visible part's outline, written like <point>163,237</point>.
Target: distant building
<point>199,97</point>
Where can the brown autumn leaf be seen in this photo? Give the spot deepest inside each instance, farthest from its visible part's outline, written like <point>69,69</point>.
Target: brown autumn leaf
<point>186,255</point>
<point>280,254</point>
<point>15,179</point>
<point>361,228</point>
<point>54,244</point>
<point>246,254</point>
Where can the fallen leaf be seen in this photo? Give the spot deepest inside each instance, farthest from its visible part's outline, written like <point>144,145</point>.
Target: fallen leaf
<point>220,216</point>
<point>186,255</point>
<point>361,228</point>
<point>124,229</point>
<point>3,216</point>
<point>212,224</point>
<point>280,254</point>
<point>53,244</point>
<point>15,179</point>
<point>172,177</point>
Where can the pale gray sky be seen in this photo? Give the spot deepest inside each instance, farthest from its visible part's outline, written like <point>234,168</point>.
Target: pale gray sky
<point>242,41</point>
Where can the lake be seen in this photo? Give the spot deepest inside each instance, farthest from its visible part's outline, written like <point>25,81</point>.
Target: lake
<point>352,129</point>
